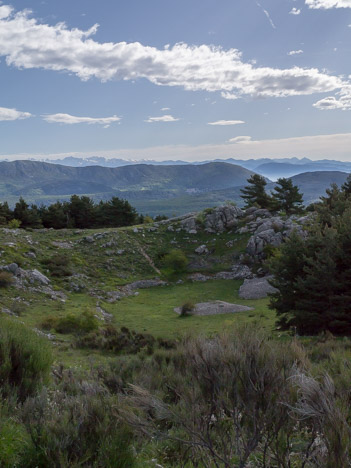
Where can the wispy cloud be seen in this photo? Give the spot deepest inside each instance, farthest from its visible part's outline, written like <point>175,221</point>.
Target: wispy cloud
<point>295,52</point>
<point>267,15</point>
<point>328,4</point>
<point>13,114</point>
<point>227,122</point>
<point>162,118</point>
<point>164,109</point>
<point>294,11</point>
<point>72,119</point>
<point>26,43</point>
<point>240,139</point>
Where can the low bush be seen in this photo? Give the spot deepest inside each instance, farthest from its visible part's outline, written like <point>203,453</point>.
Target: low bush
<point>6,279</point>
<point>109,338</point>
<point>58,265</point>
<point>175,262</point>
<point>25,360</point>
<point>186,309</point>
<point>77,324</point>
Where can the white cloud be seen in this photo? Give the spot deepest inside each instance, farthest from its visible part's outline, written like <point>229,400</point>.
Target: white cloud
<point>71,119</point>
<point>227,122</point>
<point>165,109</point>
<point>295,52</point>
<point>240,139</point>
<point>26,43</point>
<point>327,4</point>
<point>163,118</point>
<point>342,102</point>
<point>13,114</point>
<point>295,11</point>
<point>5,11</point>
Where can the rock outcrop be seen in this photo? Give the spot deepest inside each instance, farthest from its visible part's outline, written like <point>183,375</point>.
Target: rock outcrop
<point>256,288</point>
<point>270,230</point>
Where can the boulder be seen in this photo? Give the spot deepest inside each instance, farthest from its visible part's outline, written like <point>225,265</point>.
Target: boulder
<point>35,276</point>
<point>256,288</point>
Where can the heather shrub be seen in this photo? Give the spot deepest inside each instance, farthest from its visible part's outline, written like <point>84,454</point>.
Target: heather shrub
<point>25,360</point>
<point>6,279</point>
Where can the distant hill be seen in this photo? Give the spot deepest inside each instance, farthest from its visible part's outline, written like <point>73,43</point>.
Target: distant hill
<point>39,179</point>
<point>274,170</point>
<point>314,184</point>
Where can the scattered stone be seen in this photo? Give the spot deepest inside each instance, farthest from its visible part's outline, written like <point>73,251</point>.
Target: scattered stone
<point>215,308</point>
<point>30,255</point>
<point>242,272</point>
<point>199,277</point>
<point>144,284</point>
<point>256,288</point>
<point>202,250</point>
<point>62,245</point>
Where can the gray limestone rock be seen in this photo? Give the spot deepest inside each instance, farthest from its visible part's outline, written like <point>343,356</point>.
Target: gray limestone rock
<point>256,288</point>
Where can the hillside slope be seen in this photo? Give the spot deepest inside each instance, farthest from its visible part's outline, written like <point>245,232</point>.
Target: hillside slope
<point>38,178</point>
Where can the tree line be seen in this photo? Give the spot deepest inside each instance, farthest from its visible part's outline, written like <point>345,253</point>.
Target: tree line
<point>79,212</point>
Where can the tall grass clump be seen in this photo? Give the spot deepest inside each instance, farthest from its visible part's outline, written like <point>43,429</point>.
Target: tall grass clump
<point>25,360</point>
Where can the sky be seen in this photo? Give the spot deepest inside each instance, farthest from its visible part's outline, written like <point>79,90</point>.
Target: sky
<point>188,80</point>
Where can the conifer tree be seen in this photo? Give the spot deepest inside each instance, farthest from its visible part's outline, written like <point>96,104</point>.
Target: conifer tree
<point>255,193</point>
<point>287,196</point>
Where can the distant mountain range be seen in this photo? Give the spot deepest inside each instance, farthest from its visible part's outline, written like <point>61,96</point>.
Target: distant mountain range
<point>152,189</point>
<point>270,168</point>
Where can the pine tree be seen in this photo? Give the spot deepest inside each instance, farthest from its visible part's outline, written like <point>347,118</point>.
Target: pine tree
<point>255,193</point>
<point>287,196</point>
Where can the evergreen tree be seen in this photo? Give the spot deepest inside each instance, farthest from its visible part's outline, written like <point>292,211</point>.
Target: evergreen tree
<point>82,212</point>
<point>5,213</point>
<point>287,196</point>
<point>255,193</point>
<point>55,215</point>
<point>346,187</point>
<point>29,216</point>
<point>313,278</point>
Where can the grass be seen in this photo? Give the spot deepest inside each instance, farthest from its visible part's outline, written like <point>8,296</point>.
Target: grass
<point>104,269</point>
<point>152,310</point>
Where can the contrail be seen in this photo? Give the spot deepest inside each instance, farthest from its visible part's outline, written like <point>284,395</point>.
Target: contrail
<point>267,14</point>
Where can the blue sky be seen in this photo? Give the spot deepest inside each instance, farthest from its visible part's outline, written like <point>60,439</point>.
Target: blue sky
<point>190,80</point>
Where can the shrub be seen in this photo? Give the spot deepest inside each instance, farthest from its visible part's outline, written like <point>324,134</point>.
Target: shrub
<point>14,224</point>
<point>186,309</point>
<point>6,279</point>
<point>58,265</point>
<point>25,359</point>
<point>77,324</point>
<point>109,338</point>
<point>175,262</point>
<point>76,425</point>
<point>14,441</point>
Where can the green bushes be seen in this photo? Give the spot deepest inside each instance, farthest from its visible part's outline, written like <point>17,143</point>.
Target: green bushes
<point>109,338</point>
<point>175,262</point>
<point>77,324</point>
<point>6,279</point>
<point>58,265</point>
<point>25,360</point>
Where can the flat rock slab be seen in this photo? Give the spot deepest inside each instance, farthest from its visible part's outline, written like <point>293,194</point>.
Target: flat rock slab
<point>215,308</point>
<point>256,288</point>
